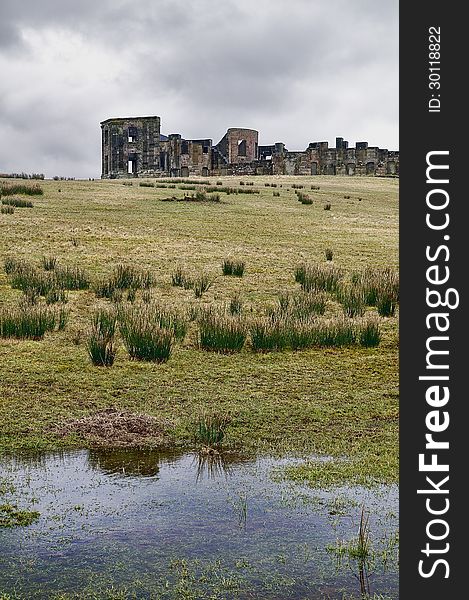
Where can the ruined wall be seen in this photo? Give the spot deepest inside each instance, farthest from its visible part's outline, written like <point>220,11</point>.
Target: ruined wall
<point>134,146</point>
<point>319,159</point>
<point>130,147</point>
<point>239,145</point>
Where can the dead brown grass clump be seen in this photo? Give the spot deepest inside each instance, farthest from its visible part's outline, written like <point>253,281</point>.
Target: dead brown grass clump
<point>112,428</point>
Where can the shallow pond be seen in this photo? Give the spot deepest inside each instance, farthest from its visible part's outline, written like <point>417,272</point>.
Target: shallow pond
<point>128,524</point>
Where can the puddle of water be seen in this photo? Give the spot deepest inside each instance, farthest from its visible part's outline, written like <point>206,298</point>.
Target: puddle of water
<point>163,525</point>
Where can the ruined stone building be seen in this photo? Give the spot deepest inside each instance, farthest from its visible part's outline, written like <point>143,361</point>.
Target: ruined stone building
<point>135,147</point>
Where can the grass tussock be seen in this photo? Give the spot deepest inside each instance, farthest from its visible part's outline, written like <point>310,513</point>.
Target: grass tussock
<point>143,338</point>
<point>318,277</point>
<point>49,263</point>
<point>209,430</point>
<point>303,197</point>
<point>72,278</point>
<point>284,332</point>
<point>380,287</point>
<point>202,284</point>
<point>236,304</point>
<point>269,335</point>
<point>7,210</point>
<point>232,267</point>
<point>28,322</point>
<point>100,344</point>
<point>28,189</point>
<point>17,202</point>
<point>221,332</point>
<point>301,305</point>
<point>123,277</point>
<point>352,298</point>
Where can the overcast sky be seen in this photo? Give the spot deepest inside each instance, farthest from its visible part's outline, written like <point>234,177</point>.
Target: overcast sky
<point>296,70</point>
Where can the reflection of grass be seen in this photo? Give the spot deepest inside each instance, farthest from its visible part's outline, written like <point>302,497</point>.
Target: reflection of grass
<point>359,555</point>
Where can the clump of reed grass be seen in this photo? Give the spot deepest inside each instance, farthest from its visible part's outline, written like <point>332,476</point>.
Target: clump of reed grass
<point>318,277</point>
<point>369,333</point>
<point>7,210</point>
<point>143,338</point>
<point>232,267</point>
<point>300,272</point>
<point>202,284</point>
<point>337,332</point>
<point>100,344</point>
<point>329,253</point>
<point>209,430</point>
<point>146,184</point>
<point>302,305</point>
<point>123,277</point>
<point>10,189</point>
<point>352,298</point>
<point>27,322</point>
<point>62,318</point>
<point>386,303</point>
<point>55,295</point>
<point>72,278</point>
<point>269,334</point>
<point>304,198</point>
<point>381,288</point>
<point>49,263</point>
<point>33,283</point>
<point>179,277</point>
<point>12,264</point>
<point>155,314</point>
<point>236,304</point>
<point>128,276</point>
<point>187,187</point>
<point>17,202</point>
<point>221,332</point>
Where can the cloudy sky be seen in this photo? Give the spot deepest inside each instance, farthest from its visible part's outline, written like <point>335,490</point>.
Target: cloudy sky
<point>296,70</point>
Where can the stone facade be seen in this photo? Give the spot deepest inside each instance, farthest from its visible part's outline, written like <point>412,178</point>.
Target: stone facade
<point>134,146</point>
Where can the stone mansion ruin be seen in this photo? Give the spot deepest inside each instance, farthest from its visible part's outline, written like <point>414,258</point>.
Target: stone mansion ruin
<point>135,147</point>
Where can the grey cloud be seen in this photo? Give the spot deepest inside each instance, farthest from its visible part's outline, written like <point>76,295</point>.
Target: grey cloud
<point>298,71</point>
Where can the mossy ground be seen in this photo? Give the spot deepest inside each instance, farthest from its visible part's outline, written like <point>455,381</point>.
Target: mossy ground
<point>340,402</point>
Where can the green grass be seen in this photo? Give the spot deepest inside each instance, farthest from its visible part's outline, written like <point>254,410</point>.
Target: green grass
<point>221,332</point>
<point>336,401</point>
<point>143,335</point>
<point>29,189</point>
<point>28,322</point>
<point>100,344</point>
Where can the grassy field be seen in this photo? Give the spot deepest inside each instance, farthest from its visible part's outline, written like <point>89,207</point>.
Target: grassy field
<point>337,401</point>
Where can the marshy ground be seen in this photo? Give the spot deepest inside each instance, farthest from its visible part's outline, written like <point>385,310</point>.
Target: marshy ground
<point>340,402</point>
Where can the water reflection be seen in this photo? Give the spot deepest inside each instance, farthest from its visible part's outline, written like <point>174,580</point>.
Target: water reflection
<point>126,462</point>
<point>123,516</point>
<point>215,465</point>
